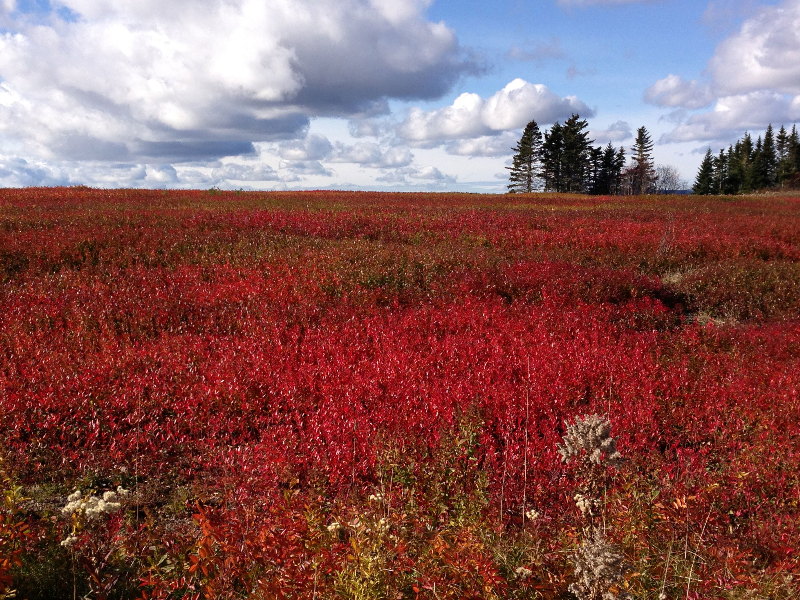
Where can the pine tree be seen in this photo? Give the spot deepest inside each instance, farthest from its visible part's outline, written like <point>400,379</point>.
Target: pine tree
<point>553,159</point>
<point>720,173</point>
<point>577,148</point>
<point>769,158</point>
<point>607,179</point>
<point>736,170</point>
<point>619,166</point>
<point>526,161</point>
<point>705,176</point>
<point>643,172</point>
<point>755,178</point>
<point>595,170</point>
<point>784,169</point>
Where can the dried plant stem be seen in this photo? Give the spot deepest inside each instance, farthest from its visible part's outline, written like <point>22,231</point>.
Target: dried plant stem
<point>525,459</point>
<point>666,567</point>
<point>694,554</point>
<point>503,480</point>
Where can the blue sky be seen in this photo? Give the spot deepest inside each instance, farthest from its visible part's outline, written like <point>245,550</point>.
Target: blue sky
<point>374,94</point>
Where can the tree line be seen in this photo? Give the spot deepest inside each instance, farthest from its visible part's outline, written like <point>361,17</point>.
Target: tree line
<point>773,161</point>
<point>564,160</point>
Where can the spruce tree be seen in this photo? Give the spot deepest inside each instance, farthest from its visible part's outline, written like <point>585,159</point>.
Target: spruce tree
<point>526,160</point>
<point>756,173</point>
<point>577,149</point>
<point>705,176</point>
<point>769,158</point>
<point>619,166</point>
<point>720,173</point>
<point>553,159</point>
<point>643,172</point>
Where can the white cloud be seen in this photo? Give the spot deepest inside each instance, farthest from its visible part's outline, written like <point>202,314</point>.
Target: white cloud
<point>616,132</point>
<point>312,147</point>
<point>300,168</point>
<point>486,145</point>
<point>421,174</point>
<point>674,91</point>
<point>190,79</point>
<point>161,175</point>
<point>755,78</point>
<point>763,55</point>
<point>370,154</point>
<point>242,172</point>
<point>471,116</point>
<point>734,114</point>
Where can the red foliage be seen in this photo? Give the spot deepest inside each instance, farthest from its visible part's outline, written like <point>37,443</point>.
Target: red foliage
<point>274,342</point>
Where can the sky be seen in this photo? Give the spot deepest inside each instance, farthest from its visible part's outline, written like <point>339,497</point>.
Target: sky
<point>418,95</point>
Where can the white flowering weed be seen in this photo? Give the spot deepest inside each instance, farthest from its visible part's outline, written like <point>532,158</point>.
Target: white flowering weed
<point>85,509</point>
<point>590,435</point>
<point>599,571</point>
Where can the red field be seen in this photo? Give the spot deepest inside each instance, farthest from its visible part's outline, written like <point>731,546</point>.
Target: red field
<point>339,395</point>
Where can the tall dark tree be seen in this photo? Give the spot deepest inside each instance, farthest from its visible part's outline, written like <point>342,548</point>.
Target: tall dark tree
<point>643,171</point>
<point>720,179</point>
<point>526,160</point>
<point>595,170</point>
<point>619,167</point>
<point>607,178</point>
<point>703,185</point>
<point>577,149</point>
<point>755,177</point>
<point>794,149</point>
<point>553,159</point>
<point>785,166</point>
<point>736,169</point>
<point>769,158</point>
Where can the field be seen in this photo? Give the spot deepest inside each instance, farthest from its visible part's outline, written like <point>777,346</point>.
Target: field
<point>337,395</point>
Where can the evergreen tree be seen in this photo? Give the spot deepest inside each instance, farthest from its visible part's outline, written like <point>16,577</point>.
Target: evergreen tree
<point>705,176</point>
<point>736,171</point>
<point>595,170</point>
<point>608,174</point>
<point>619,166</point>
<point>553,158</point>
<point>643,172</point>
<point>577,149</point>
<point>794,150</point>
<point>784,169</point>
<point>526,160</point>
<point>756,173</point>
<point>720,173</point>
<point>769,158</point>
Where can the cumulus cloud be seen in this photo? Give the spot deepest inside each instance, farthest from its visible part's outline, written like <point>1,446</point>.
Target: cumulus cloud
<point>407,175</point>
<point>199,79</point>
<point>309,167</point>
<point>370,154</point>
<point>242,172</point>
<point>312,147</point>
<point>495,145</point>
<point>764,54</point>
<point>616,132</point>
<point>471,116</point>
<point>676,92</point>
<point>733,114</point>
<point>755,78</point>
<point>17,172</point>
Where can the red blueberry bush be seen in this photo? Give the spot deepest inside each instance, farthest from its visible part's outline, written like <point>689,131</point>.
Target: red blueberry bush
<point>341,395</point>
